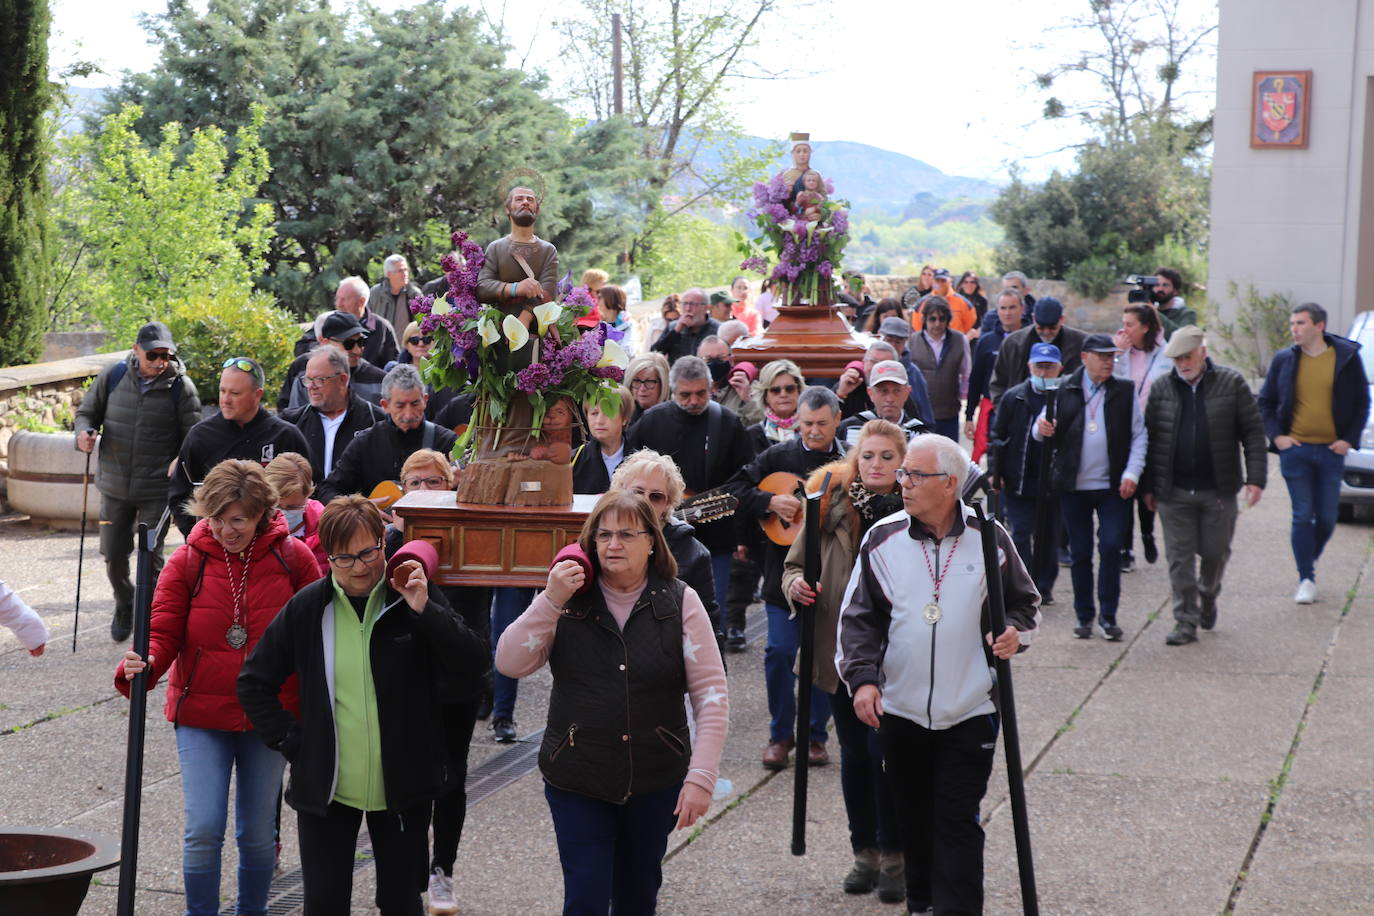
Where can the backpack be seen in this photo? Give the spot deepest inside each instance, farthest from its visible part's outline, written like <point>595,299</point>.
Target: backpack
<point>121,369</point>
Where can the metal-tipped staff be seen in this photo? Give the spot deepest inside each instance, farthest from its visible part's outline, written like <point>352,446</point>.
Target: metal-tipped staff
<point>1011,735</point>
<point>811,572</point>
<point>1045,550</point>
<point>81,544</point>
<point>138,708</point>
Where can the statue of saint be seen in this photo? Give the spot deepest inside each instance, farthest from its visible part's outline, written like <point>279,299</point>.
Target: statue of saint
<point>806,206</point>
<point>520,272</point>
<point>801,164</point>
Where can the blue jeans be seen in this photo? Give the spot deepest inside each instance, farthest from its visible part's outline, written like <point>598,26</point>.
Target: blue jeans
<point>867,794</point>
<point>948,428</point>
<point>1077,508</point>
<point>506,605</point>
<point>612,855</point>
<point>208,756</point>
<point>720,573</point>
<point>1020,512</point>
<point>779,657</point>
<point>1313,474</point>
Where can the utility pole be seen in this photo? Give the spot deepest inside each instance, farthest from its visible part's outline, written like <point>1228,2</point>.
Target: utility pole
<point>617,65</point>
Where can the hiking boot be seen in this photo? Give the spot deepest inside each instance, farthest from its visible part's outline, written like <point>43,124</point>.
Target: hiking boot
<point>863,877</point>
<point>504,730</point>
<point>1181,635</point>
<point>891,877</point>
<point>122,624</point>
<point>441,902</point>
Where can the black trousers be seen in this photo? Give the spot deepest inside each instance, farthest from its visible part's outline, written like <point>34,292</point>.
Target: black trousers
<point>744,580</point>
<point>451,810</point>
<point>399,847</point>
<point>938,780</point>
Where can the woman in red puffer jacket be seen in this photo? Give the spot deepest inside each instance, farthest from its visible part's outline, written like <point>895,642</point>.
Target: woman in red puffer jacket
<point>213,601</point>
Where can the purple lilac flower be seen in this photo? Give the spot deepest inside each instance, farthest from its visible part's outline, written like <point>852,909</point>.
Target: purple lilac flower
<point>829,187</point>
<point>777,212</point>
<point>534,377</point>
<point>840,220</point>
<point>824,269</point>
<point>421,304</point>
<point>450,264</point>
<point>756,264</point>
<point>779,188</point>
<point>614,373</point>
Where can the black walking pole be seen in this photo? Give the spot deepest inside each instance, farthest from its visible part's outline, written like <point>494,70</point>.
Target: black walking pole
<point>1011,736</point>
<point>811,572</point>
<point>81,544</point>
<point>138,706</point>
<point>1044,522</point>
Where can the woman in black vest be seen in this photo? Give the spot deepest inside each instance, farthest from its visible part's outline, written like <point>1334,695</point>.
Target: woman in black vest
<point>625,640</point>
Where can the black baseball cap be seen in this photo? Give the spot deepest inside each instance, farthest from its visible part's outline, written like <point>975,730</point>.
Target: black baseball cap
<point>341,326</point>
<point>1099,343</point>
<point>155,336</point>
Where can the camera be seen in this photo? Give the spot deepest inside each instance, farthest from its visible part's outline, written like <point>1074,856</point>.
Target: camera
<point>1144,286</point>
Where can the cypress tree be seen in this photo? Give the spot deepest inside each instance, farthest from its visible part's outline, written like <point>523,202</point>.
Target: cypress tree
<point>25,93</point>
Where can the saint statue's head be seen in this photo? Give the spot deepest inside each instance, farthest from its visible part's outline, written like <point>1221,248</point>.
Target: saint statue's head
<point>801,151</point>
<point>522,206</point>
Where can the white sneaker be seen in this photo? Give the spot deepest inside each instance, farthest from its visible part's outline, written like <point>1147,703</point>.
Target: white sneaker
<point>441,902</point>
<point>1306,593</point>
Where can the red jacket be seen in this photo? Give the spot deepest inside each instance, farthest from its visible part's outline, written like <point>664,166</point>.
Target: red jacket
<point>311,538</point>
<point>192,610</point>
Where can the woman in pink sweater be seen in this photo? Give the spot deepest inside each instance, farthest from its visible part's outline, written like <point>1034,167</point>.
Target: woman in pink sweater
<point>625,640</point>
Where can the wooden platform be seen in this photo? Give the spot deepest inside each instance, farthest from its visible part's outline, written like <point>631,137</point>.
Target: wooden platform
<point>491,545</point>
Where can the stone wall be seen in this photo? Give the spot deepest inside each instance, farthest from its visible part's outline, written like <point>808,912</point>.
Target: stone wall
<point>1079,312</point>
<point>42,391</point>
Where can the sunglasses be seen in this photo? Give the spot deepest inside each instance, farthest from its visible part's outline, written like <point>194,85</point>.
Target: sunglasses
<point>352,343</point>
<point>422,341</point>
<point>244,364</point>
<point>161,356</point>
<point>783,389</point>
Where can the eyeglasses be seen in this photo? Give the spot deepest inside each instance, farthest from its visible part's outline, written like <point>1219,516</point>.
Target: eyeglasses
<point>238,523</point>
<point>693,304</point>
<point>422,341</point>
<point>318,381</point>
<point>655,497</point>
<point>161,356</point>
<point>346,560</point>
<point>644,383</point>
<point>623,535</point>
<point>352,343</point>
<point>936,319</point>
<point>427,483</point>
<point>909,478</point>
<point>783,389</point>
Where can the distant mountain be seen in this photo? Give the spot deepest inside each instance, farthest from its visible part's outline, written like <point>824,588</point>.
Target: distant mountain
<point>868,176</point>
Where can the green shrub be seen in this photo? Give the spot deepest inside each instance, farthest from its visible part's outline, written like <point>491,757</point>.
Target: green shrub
<point>1259,331</point>
<point>211,330</point>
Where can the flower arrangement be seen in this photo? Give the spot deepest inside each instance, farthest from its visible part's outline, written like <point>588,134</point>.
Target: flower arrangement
<point>469,355</point>
<point>806,252</point>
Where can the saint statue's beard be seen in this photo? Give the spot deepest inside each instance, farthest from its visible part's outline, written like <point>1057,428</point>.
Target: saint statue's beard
<point>522,218</point>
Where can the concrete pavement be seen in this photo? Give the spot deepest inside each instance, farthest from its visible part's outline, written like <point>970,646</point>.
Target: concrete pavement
<point>1230,775</point>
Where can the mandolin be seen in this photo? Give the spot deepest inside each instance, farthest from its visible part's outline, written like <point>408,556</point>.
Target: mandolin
<point>782,531</point>
<point>706,507</point>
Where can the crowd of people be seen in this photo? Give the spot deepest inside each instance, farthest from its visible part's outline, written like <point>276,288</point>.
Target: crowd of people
<point>297,625</point>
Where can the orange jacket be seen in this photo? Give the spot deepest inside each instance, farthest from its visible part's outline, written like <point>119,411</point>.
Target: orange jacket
<point>963,316</point>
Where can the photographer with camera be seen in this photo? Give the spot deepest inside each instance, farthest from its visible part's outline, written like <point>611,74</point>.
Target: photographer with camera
<point>1169,305</point>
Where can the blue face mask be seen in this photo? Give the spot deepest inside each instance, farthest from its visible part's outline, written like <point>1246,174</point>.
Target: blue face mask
<point>1045,384</point>
<point>294,519</point>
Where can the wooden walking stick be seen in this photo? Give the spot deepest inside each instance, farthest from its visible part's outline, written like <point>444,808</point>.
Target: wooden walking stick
<point>811,572</point>
<point>1011,736</point>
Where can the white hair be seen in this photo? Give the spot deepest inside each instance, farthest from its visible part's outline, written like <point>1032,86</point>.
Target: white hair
<point>950,457</point>
<point>1015,275</point>
<point>733,330</point>
<point>392,262</point>
<point>357,284</point>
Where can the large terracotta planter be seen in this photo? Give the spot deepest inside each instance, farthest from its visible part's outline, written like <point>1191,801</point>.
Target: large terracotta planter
<point>45,872</point>
<point>45,479</point>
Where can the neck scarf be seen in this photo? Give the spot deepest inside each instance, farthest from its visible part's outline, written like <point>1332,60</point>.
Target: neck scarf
<point>872,506</point>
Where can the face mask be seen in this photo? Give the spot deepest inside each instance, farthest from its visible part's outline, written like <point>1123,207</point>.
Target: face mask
<point>294,518</point>
<point>1045,384</point>
<point>720,368</point>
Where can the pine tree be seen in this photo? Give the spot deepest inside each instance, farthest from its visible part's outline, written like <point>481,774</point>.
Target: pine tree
<point>25,94</point>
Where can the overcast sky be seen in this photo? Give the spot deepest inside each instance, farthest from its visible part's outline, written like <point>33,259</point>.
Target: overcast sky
<point>945,82</point>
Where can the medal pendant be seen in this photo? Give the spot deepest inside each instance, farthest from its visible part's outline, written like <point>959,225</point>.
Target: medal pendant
<point>1092,427</point>
<point>236,636</point>
<point>932,613</point>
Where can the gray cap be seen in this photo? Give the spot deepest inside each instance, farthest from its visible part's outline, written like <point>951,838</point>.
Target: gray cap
<point>1185,340</point>
<point>893,326</point>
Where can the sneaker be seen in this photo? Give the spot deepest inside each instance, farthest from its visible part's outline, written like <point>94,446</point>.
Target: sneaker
<point>1181,636</point>
<point>504,730</point>
<point>734,639</point>
<point>122,624</point>
<point>1082,631</point>
<point>1306,593</point>
<point>1209,614</point>
<point>1111,632</point>
<point>1127,561</point>
<point>1147,541</point>
<point>863,877</point>
<point>441,902</point>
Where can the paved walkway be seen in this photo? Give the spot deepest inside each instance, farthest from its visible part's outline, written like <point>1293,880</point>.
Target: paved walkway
<point>1232,775</point>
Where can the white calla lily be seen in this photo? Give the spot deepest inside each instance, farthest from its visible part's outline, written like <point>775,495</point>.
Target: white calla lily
<point>547,314</point>
<point>488,332</point>
<point>516,332</point>
<point>440,307</point>
<point>613,354</point>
